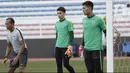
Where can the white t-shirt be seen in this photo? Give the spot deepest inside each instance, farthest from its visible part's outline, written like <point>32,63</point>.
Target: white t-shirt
<point>14,38</point>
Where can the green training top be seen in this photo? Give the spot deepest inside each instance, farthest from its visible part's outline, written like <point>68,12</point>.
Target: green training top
<point>92,32</point>
<point>62,29</point>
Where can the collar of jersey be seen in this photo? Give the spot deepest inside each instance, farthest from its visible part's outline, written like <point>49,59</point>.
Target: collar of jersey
<point>91,16</point>
<point>62,20</point>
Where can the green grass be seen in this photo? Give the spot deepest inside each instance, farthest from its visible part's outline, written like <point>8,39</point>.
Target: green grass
<point>122,65</point>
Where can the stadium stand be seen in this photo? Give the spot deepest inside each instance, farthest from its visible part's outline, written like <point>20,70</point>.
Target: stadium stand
<point>36,18</point>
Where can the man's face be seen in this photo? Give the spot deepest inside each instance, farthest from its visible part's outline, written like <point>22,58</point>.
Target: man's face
<point>8,24</point>
<point>60,14</point>
<point>86,10</point>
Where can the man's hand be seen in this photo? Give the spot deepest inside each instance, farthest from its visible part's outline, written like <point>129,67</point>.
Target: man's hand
<point>80,50</point>
<point>118,36</point>
<point>69,51</point>
<point>70,47</point>
<point>15,60</point>
<point>5,60</point>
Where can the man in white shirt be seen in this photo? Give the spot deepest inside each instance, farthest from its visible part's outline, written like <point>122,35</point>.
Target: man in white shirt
<point>16,44</point>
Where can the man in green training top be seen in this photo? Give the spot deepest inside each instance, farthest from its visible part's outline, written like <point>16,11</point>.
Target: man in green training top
<point>64,40</point>
<point>92,39</point>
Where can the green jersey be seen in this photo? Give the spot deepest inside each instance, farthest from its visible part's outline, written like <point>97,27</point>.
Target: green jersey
<point>92,32</point>
<point>62,29</point>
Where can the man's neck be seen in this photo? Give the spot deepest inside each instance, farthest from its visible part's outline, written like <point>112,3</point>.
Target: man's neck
<point>90,15</point>
<point>62,19</point>
<point>12,29</point>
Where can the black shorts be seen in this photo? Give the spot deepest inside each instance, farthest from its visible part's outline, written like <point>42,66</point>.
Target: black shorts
<point>94,60</point>
<point>22,60</point>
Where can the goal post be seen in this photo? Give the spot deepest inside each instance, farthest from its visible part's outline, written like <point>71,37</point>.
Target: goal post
<point>109,22</point>
<point>118,51</point>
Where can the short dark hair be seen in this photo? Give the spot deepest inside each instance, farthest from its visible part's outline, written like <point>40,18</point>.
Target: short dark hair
<point>88,3</point>
<point>11,20</point>
<point>61,9</point>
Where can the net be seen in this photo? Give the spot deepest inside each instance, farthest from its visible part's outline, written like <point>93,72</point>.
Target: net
<point>121,21</point>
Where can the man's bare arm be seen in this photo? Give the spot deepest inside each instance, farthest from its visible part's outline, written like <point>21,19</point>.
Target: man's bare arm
<point>8,49</point>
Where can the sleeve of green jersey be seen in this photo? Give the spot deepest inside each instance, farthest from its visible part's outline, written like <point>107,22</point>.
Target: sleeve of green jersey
<point>82,42</point>
<point>55,28</point>
<point>101,24</point>
<point>70,26</point>
<point>56,31</point>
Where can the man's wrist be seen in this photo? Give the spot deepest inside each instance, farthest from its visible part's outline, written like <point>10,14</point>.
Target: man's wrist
<point>69,46</point>
<point>17,57</point>
<point>5,56</point>
<point>81,45</point>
